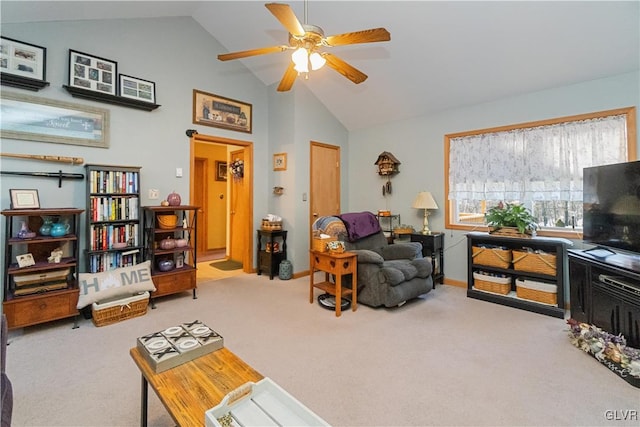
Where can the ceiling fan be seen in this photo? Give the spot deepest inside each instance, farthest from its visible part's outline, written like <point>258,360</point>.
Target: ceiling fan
<point>306,41</point>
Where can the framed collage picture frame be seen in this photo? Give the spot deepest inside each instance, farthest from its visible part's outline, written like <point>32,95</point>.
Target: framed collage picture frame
<point>93,73</point>
<point>23,59</point>
<point>136,88</point>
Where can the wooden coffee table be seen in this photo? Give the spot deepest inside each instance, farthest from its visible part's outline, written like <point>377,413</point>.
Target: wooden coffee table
<point>189,390</point>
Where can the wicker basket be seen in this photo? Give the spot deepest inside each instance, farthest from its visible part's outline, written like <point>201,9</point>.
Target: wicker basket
<point>320,245</point>
<point>114,311</point>
<point>271,225</point>
<point>497,285</point>
<point>493,257</point>
<point>167,222</point>
<point>533,262</point>
<point>537,291</point>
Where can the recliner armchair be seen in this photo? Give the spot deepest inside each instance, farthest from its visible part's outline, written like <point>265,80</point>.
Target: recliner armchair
<point>388,274</point>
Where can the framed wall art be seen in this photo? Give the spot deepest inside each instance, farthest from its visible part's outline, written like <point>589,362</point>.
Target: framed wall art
<point>280,162</point>
<point>24,199</point>
<point>220,112</point>
<point>221,170</point>
<point>92,73</point>
<point>22,59</point>
<point>135,88</point>
<point>32,118</point>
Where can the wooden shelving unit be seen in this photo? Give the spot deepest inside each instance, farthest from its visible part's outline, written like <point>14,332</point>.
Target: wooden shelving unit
<point>182,277</point>
<point>39,305</point>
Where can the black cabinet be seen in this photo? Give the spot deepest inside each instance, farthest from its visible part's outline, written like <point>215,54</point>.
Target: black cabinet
<point>512,273</point>
<point>272,249</point>
<point>432,247</point>
<point>606,286</point>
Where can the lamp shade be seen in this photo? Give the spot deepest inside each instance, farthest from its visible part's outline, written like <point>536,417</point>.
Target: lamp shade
<point>300,57</point>
<point>424,200</point>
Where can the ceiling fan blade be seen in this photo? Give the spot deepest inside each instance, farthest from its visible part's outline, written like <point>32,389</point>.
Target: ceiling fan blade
<point>252,52</point>
<point>288,79</point>
<point>364,36</point>
<point>345,69</point>
<point>287,18</point>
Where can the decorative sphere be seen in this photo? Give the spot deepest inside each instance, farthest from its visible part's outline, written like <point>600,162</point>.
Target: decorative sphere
<point>166,265</point>
<point>174,199</point>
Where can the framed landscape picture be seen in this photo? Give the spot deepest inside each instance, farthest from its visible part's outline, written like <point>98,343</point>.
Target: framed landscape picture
<point>217,111</point>
<point>93,73</point>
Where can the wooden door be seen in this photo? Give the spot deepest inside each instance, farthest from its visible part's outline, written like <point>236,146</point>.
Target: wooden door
<point>238,211</point>
<point>200,198</point>
<point>324,197</point>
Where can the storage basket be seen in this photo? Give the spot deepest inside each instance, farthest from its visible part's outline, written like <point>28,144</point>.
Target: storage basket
<point>167,221</point>
<point>320,245</point>
<point>542,263</point>
<point>271,225</point>
<point>493,257</point>
<point>533,290</point>
<point>497,285</point>
<point>115,310</point>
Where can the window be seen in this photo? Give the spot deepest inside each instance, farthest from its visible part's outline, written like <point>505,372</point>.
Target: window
<point>537,164</point>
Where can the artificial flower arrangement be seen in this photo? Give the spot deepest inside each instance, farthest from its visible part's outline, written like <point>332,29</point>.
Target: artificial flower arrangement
<point>237,168</point>
<point>610,350</point>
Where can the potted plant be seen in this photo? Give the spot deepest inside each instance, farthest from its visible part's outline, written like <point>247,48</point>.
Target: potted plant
<point>511,215</point>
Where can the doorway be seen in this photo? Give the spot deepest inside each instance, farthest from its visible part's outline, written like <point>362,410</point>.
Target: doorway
<point>211,188</point>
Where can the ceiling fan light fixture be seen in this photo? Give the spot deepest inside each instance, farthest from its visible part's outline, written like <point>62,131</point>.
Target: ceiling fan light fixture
<point>300,57</point>
<point>317,61</point>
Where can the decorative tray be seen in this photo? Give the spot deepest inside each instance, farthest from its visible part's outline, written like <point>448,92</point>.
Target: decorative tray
<point>178,344</point>
<point>264,403</point>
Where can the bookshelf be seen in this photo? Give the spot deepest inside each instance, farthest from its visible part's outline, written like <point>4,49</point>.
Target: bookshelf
<point>113,227</point>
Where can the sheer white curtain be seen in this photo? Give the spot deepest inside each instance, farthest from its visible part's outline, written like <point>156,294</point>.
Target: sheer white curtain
<point>531,164</point>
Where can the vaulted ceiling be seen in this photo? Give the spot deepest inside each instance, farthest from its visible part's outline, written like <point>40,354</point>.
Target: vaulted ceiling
<point>442,54</point>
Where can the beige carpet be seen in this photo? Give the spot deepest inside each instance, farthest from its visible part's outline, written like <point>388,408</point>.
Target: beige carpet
<point>441,360</point>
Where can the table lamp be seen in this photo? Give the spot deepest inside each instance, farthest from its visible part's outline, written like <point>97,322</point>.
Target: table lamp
<point>424,200</point>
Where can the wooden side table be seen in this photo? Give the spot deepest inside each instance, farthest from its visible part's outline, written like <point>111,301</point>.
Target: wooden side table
<point>338,265</point>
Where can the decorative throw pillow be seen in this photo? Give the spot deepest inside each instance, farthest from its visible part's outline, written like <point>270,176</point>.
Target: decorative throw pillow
<point>124,281</point>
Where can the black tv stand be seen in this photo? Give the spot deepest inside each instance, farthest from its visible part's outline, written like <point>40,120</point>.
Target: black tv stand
<point>606,292</point>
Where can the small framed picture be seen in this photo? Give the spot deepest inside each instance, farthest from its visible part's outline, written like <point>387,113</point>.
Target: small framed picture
<point>221,171</point>
<point>180,261</point>
<point>22,59</point>
<point>24,199</point>
<point>280,162</point>
<point>135,88</point>
<point>25,260</point>
<point>92,73</point>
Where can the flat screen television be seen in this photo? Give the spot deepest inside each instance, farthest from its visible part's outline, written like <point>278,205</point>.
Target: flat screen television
<point>611,206</point>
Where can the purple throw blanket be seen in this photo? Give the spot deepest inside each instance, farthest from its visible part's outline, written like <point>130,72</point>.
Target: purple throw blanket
<point>360,224</point>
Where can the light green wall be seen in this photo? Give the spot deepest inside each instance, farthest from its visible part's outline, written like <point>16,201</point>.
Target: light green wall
<point>419,146</point>
<point>156,140</point>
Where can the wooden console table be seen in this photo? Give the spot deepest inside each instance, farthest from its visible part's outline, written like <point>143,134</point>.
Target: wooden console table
<point>338,265</point>
<point>191,389</point>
